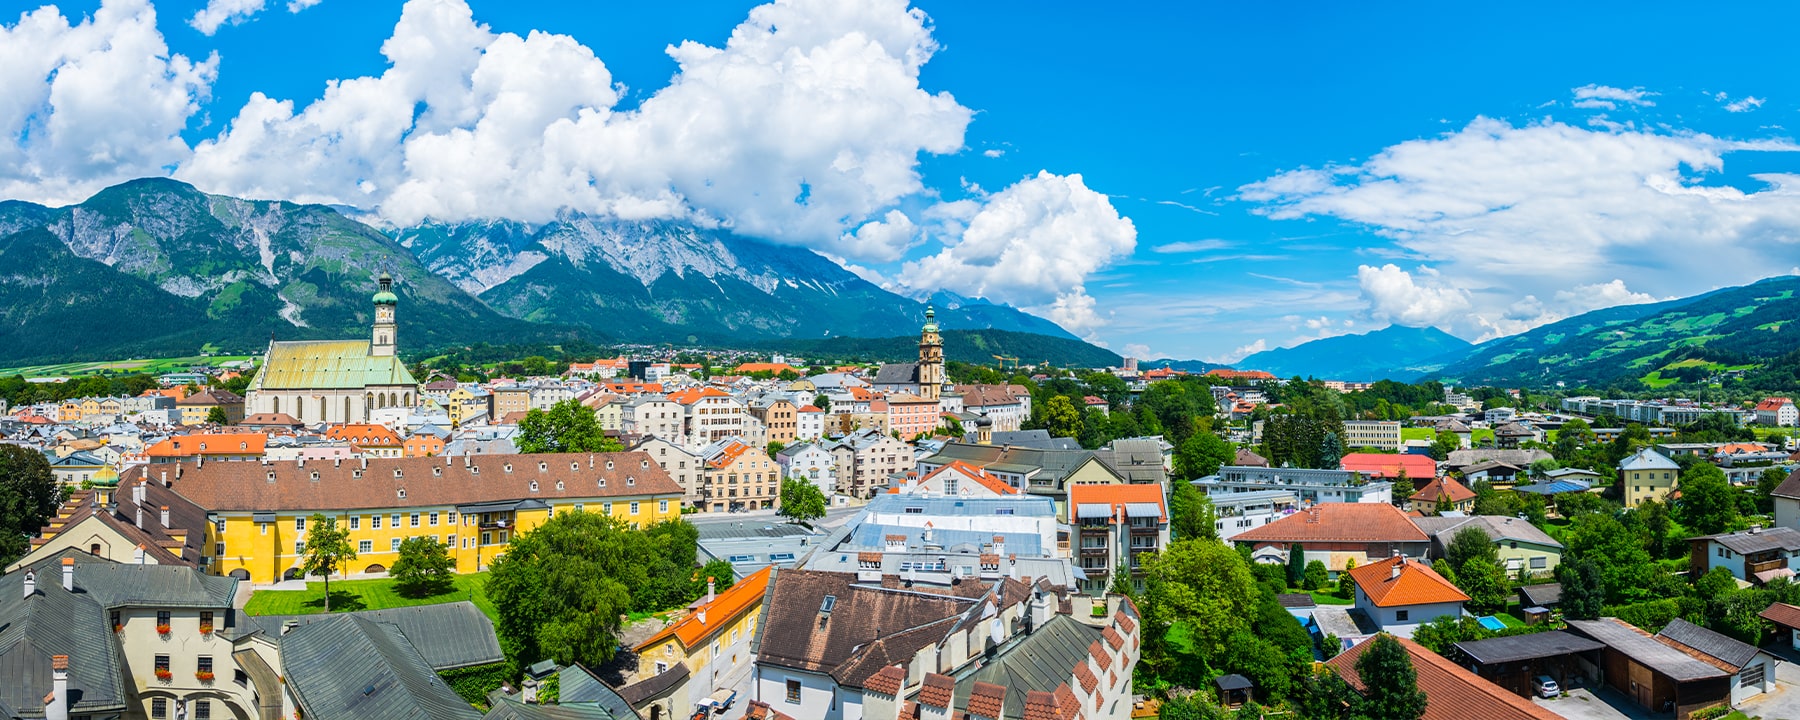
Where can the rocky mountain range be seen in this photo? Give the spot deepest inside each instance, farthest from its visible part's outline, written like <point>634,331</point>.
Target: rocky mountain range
<point>155,266</point>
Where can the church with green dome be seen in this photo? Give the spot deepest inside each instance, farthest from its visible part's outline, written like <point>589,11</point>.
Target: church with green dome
<point>336,381</point>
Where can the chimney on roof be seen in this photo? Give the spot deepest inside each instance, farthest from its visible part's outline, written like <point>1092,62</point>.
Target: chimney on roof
<point>137,555</point>
<point>140,514</point>
<point>710,595</point>
<point>1394,574</point>
<point>165,516</point>
<point>68,567</point>
<point>30,583</point>
<point>288,627</point>
<point>137,491</point>
<point>999,544</point>
<point>1012,566</point>
<point>56,707</point>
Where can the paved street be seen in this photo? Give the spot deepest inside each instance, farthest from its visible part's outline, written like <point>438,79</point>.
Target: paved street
<point>1581,704</point>
<point>1783,701</point>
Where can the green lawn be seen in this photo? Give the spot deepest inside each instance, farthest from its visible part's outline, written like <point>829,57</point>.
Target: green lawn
<point>1326,598</point>
<point>377,594</point>
<point>1418,434</point>
<point>152,366</point>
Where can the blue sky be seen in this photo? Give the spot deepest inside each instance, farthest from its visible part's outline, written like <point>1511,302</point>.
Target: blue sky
<point>1249,176</point>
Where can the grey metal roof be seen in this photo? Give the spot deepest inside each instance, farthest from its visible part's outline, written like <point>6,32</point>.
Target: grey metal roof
<point>1746,543</point>
<point>447,635</point>
<point>350,667</point>
<point>1086,511</point>
<point>1296,600</point>
<point>750,529</point>
<point>637,692</point>
<point>1035,439</point>
<point>1040,660</point>
<point>897,374</point>
<point>1022,505</point>
<point>510,709</point>
<point>1526,647</point>
<point>1729,651</point>
<point>1646,650</point>
<point>871,536</point>
<point>1143,510</point>
<point>1233,682</point>
<point>1647,459</point>
<point>579,685</point>
<point>1343,621</point>
<point>1545,595</point>
<point>114,584</point>
<point>54,621</point>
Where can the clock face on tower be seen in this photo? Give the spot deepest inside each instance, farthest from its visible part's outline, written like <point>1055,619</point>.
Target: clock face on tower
<point>384,314</point>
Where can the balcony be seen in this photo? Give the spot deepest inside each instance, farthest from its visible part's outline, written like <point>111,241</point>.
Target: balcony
<point>1752,568</point>
<point>1089,550</point>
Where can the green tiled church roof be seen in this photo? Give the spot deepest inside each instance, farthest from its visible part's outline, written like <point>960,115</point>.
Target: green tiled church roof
<point>328,365</point>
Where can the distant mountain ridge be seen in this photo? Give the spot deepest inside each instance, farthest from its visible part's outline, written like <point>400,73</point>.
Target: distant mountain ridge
<point>1391,353</point>
<point>156,267</point>
<point>1726,330</point>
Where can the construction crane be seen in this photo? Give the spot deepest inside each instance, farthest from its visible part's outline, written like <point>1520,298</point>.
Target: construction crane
<point>1002,360</point>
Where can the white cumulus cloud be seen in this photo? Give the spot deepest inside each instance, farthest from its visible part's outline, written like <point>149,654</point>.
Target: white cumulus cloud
<point>1609,98</point>
<point>87,104</point>
<point>1748,103</point>
<point>1032,244</point>
<point>219,13</point>
<point>809,120</point>
<point>1507,212</point>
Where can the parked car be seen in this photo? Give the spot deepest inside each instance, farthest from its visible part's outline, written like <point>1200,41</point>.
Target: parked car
<point>1545,687</point>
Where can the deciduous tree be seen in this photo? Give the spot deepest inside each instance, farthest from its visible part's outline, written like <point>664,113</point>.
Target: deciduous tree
<point>29,495</point>
<point>1390,685</point>
<point>423,568</point>
<point>1061,418</point>
<point>801,501</point>
<point>1708,502</point>
<point>1191,513</point>
<point>328,549</point>
<point>1202,454</point>
<point>568,426</point>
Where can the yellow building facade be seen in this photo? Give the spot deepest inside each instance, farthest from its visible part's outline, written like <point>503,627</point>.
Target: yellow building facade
<point>258,513</point>
<point>712,642</point>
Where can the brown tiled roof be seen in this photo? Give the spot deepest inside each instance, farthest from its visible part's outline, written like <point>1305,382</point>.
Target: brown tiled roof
<point>987,700</point>
<point>1067,705</point>
<point>937,691</point>
<point>1339,522</point>
<point>1452,692</point>
<point>1125,621</point>
<point>887,681</point>
<point>1084,674</point>
<point>1782,614</point>
<point>1040,705</point>
<point>178,544</point>
<point>1113,638</point>
<point>759,710</point>
<point>867,556</point>
<point>448,480</point>
<point>868,629</point>
<point>1447,488</point>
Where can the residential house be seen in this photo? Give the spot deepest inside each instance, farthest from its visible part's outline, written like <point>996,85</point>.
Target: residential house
<point>809,422</point>
<point>374,441</point>
<point>1462,460</point>
<point>911,415</point>
<point>208,446</point>
<point>1310,486</point>
<point>1647,475</point>
<point>654,416</point>
<point>811,461</point>
<point>737,476</point>
<point>1138,460</point>
<point>709,414</point>
<point>1787,502</point>
<point>1453,693</point>
<point>1047,472</point>
<point>708,648</point>
<point>1380,466</point>
<point>1336,533</point>
<point>1492,471</point>
<point>865,459</point>
<point>779,417</point>
<point>424,444</point>
<point>145,524</point>
<point>195,408</point>
<point>1115,526</point>
<point>1513,434</point>
<point>1008,406</point>
<point>1234,513</point>
<point>1521,546</point>
<point>77,468</point>
<point>1752,670</point>
<point>958,479</point>
<point>1756,555</point>
<point>1400,594</point>
<point>609,410</point>
<point>1440,493</point>
<point>686,467</point>
<point>257,513</point>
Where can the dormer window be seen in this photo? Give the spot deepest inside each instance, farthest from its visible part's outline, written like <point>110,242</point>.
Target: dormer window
<point>401,493</point>
<point>353,473</point>
<point>543,466</point>
<point>559,485</point>
<point>508,467</point>
<point>271,476</point>
<point>437,472</point>
<point>574,466</point>
<point>243,446</point>
<point>644,464</point>
<point>609,464</point>
<point>602,482</point>
<point>534,486</point>
<point>396,472</point>
<point>315,475</point>
<point>474,469</point>
<point>629,480</point>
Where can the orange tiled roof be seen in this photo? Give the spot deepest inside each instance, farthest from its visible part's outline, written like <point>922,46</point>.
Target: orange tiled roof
<point>1454,693</point>
<point>978,475</point>
<point>1417,584</point>
<point>1338,522</point>
<point>1229,374</point>
<point>1740,448</point>
<point>720,613</point>
<point>777,368</point>
<point>1773,404</point>
<point>210,444</point>
<point>1382,465</point>
<point>364,434</point>
<point>1117,495</point>
<point>696,394</point>
<point>728,455</point>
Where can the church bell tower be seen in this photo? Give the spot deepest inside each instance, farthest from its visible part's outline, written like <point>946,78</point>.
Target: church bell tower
<point>382,342</point>
<point>931,357</point>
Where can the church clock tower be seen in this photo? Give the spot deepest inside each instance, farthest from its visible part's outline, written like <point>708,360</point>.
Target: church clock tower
<point>382,344</point>
<point>931,357</point>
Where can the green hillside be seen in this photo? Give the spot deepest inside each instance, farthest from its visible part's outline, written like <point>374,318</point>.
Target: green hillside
<point>1722,335</point>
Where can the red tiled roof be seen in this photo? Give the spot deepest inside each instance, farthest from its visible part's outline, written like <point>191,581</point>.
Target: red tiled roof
<point>1417,584</point>
<point>1229,374</point>
<point>1084,674</point>
<point>1113,638</point>
<point>1338,522</point>
<point>777,368</point>
<point>1444,487</point>
<point>1773,404</point>
<point>759,710</point>
<point>1381,465</point>
<point>937,691</point>
<point>987,700</point>
<point>696,394</point>
<point>1452,693</point>
<point>1100,655</point>
<point>1782,614</point>
<point>366,435</point>
<point>1125,621</point>
<point>887,681</point>
<point>979,475</point>
<point>724,610</point>
<point>209,444</point>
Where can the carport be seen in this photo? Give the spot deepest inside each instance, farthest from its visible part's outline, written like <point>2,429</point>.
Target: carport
<point>1511,662</point>
<point>1652,674</point>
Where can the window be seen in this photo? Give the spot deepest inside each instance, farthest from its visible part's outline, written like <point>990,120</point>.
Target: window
<point>452,518</point>
<point>634,507</point>
<point>218,549</point>
<point>203,664</point>
<point>299,547</point>
<point>396,520</point>
<point>238,676</point>
<point>606,508</point>
<point>415,519</point>
<point>1540,562</point>
<point>202,709</point>
<point>162,663</point>
<point>162,617</point>
<point>793,691</point>
<point>219,526</point>
<point>394,545</point>
<point>300,524</point>
<point>355,522</point>
<point>1400,615</point>
<point>450,541</point>
<point>375,522</point>
<point>949,486</point>
<point>915,511</point>
<point>434,519</point>
<point>159,707</point>
<point>365,547</point>
<point>662,506</point>
<point>1003,511</point>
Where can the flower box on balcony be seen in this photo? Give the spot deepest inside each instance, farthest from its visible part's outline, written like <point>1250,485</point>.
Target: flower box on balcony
<point>204,676</point>
<point>206,629</point>
<point>164,675</point>
<point>162,629</point>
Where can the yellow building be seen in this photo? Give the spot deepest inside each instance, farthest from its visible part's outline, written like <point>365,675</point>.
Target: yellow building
<point>257,513</point>
<point>706,648</point>
<point>1647,475</point>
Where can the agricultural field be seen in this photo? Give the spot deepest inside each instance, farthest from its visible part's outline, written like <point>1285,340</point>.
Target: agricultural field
<point>150,366</point>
